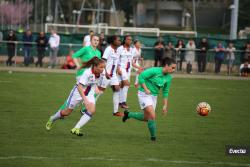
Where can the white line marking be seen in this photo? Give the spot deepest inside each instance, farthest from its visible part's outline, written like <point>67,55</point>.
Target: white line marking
<point>5,81</point>
<point>211,163</point>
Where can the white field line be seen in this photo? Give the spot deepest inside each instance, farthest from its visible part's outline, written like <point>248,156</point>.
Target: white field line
<point>135,160</point>
<point>5,81</point>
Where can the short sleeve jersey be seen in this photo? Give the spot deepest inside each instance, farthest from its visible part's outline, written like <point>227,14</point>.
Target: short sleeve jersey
<point>112,58</point>
<point>136,54</point>
<point>126,57</point>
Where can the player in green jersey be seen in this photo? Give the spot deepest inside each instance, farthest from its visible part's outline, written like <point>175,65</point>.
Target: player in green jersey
<point>151,81</point>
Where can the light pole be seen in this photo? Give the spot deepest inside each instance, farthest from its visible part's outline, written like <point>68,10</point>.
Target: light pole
<point>234,19</point>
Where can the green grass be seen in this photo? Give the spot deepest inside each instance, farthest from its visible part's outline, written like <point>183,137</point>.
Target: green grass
<point>183,138</point>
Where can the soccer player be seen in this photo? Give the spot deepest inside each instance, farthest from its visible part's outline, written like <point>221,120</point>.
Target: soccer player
<point>82,56</point>
<point>82,92</point>
<point>112,59</point>
<point>137,60</point>
<point>126,57</point>
<point>151,81</point>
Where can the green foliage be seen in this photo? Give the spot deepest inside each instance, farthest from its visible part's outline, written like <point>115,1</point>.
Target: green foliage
<point>183,137</point>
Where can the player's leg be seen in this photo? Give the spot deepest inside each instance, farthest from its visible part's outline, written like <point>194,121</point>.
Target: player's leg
<point>86,117</point>
<point>65,109</point>
<point>124,88</point>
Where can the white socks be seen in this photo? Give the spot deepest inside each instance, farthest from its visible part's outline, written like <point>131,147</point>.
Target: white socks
<point>84,119</point>
<point>125,93</point>
<point>116,101</point>
<point>56,116</point>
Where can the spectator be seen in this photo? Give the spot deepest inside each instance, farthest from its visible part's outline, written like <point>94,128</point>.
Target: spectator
<point>102,43</point>
<point>158,51</point>
<point>54,42</point>
<point>42,42</point>
<point>247,53</point>
<point>27,39</point>
<point>87,39</point>
<point>69,64</point>
<point>230,57</point>
<point>169,51</point>
<point>219,56</point>
<point>180,46</point>
<point>11,47</point>
<point>190,55</point>
<point>245,69</point>
<point>202,56</point>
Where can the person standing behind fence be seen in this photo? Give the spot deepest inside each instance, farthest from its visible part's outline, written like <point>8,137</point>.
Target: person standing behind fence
<point>42,42</point>
<point>158,51</point>
<point>27,39</point>
<point>180,46</point>
<point>169,51</point>
<point>190,55</point>
<point>247,53</point>
<point>202,56</point>
<point>11,47</point>
<point>219,56</point>
<point>230,57</point>
<point>54,42</point>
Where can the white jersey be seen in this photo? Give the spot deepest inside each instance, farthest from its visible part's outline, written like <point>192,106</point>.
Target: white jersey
<point>89,81</point>
<point>112,58</point>
<point>126,57</point>
<point>136,55</point>
<point>87,40</point>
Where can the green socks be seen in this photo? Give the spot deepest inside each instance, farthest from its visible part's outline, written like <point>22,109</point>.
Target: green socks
<point>136,115</point>
<point>152,127</point>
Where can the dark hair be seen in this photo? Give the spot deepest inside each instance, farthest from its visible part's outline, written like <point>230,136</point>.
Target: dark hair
<point>167,61</point>
<point>95,61</point>
<point>135,41</point>
<point>112,39</point>
<point>124,39</point>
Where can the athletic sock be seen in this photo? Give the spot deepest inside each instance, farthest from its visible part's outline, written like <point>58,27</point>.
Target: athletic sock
<point>136,115</point>
<point>121,96</point>
<point>84,119</point>
<point>116,101</point>
<point>152,127</point>
<point>125,93</point>
<point>56,116</point>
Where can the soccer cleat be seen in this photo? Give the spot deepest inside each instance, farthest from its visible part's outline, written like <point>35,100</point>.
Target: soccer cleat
<point>125,117</point>
<point>124,105</point>
<point>153,139</point>
<point>49,124</point>
<point>118,114</point>
<point>76,131</point>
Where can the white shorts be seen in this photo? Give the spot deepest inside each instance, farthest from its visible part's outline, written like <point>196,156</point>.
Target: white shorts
<point>125,74</point>
<point>75,98</point>
<point>146,100</point>
<point>104,82</point>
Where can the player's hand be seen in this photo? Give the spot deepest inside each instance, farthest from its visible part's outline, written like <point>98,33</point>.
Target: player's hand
<point>164,110</point>
<point>147,91</point>
<point>78,67</point>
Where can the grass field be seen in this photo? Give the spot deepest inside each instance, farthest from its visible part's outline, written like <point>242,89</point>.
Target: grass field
<point>184,139</point>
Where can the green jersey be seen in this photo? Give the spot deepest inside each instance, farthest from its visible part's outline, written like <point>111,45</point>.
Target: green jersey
<point>85,54</point>
<point>154,79</point>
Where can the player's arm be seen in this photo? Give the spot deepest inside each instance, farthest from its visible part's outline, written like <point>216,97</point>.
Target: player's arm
<point>76,56</point>
<point>165,92</point>
<point>81,88</point>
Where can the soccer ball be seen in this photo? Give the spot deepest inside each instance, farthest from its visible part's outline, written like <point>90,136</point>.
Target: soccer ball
<point>203,108</point>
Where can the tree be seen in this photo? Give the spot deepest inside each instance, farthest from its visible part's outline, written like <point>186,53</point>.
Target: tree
<point>15,13</point>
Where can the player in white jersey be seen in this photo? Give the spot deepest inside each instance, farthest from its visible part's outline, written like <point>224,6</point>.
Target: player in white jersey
<point>112,61</point>
<point>126,57</point>
<point>137,60</point>
<point>82,92</point>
